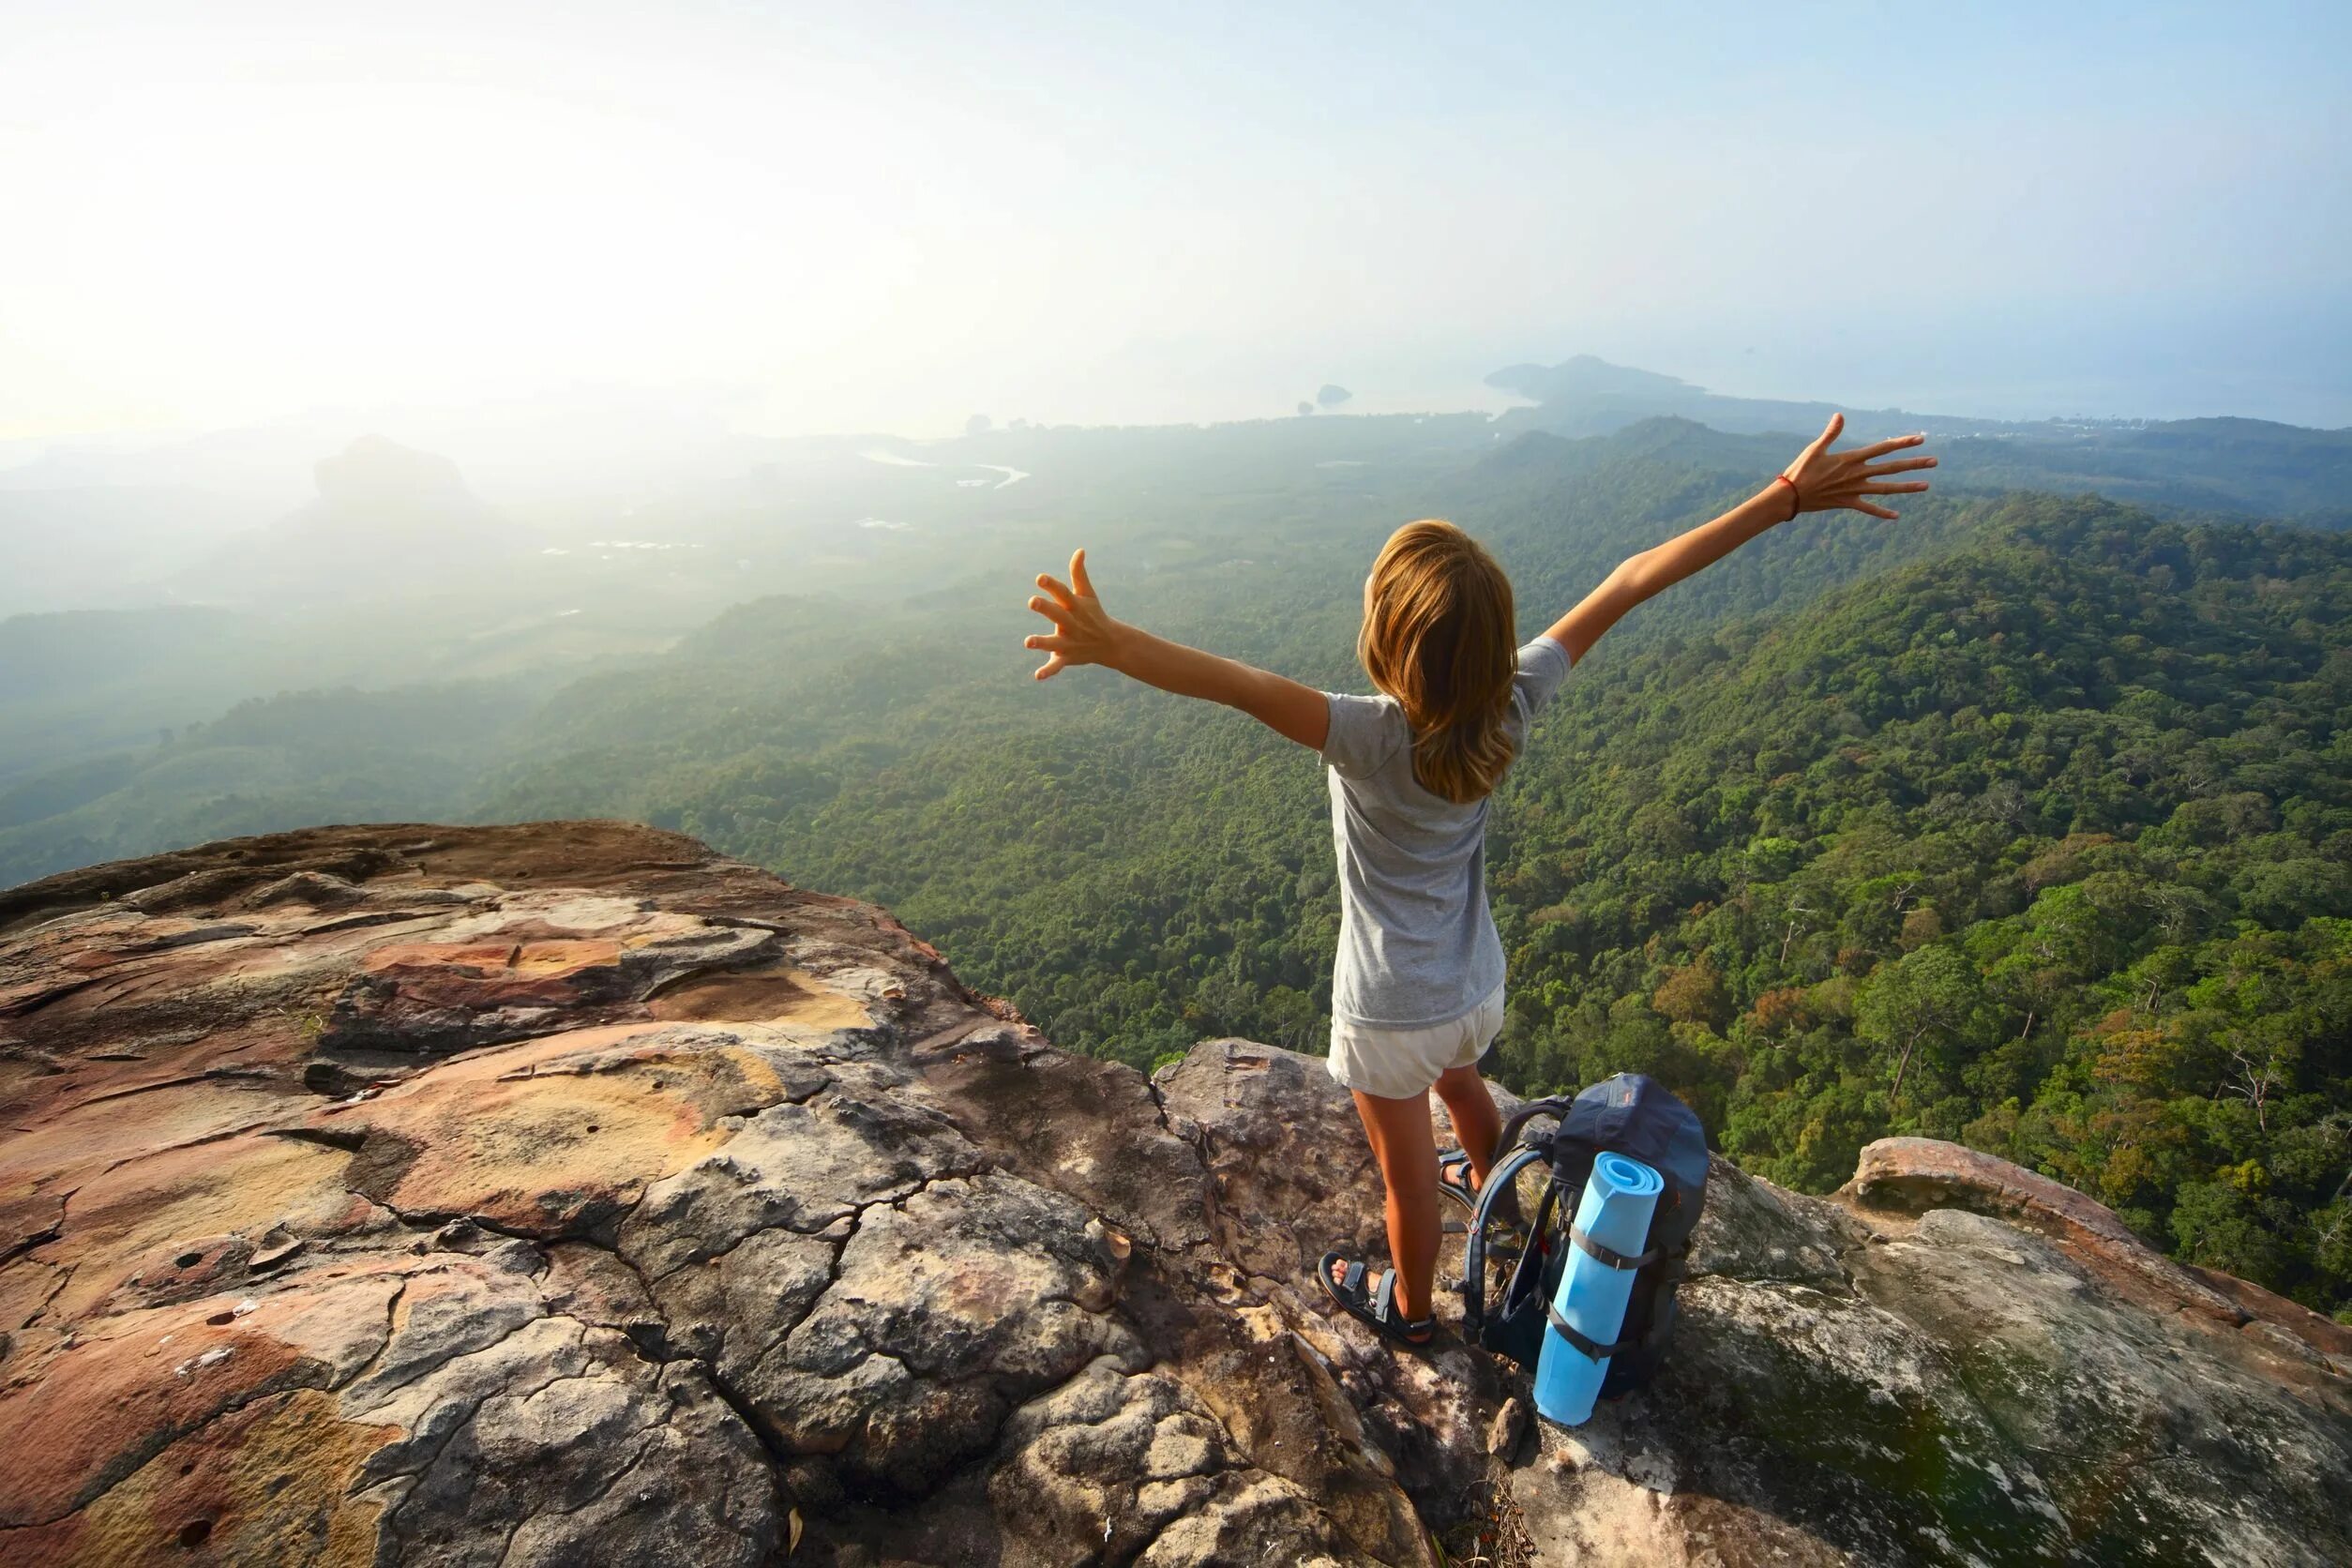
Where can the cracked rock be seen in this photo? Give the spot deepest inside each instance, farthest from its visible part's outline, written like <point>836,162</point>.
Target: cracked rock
<point>563,1193</point>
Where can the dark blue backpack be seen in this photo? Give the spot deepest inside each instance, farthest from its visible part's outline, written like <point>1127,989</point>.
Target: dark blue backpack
<point>1628,1114</point>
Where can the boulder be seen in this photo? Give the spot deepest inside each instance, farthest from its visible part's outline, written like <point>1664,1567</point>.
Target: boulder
<point>567,1193</point>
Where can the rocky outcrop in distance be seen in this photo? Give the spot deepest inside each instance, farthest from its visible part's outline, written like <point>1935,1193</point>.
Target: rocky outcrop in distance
<point>385,515</point>
<point>567,1193</point>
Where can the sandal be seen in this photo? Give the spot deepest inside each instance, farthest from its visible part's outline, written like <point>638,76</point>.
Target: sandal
<point>1454,1178</point>
<point>1379,1307</point>
<point>1506,1228</point>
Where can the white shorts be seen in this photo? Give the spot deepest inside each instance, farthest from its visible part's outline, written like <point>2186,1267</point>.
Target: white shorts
<point>1399,1063</point>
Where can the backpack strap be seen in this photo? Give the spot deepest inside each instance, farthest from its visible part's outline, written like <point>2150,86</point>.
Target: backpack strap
<point>1670,1198</point>
<point>1498,1179</point>
<point>1556,1108</point>
<point>1584,1342</point>
<point>1609,1256</point>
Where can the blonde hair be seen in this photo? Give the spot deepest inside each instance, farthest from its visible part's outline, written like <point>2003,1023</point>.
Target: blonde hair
<point>1438,637</point>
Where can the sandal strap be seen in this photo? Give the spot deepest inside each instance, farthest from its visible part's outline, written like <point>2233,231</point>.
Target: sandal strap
<point>1380,1307</point>
<point>1384,1302</point>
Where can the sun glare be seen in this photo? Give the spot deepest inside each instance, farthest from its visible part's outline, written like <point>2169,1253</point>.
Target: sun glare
<point>383,240</point>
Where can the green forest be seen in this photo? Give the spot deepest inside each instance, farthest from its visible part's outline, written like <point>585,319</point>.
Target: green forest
<point>2026,822</point>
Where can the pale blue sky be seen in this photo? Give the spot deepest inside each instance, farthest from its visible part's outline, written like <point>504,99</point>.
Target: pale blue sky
<point>887,216</point>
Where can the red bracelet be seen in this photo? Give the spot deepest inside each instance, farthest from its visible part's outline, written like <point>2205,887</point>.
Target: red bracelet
<point>1796,497</point>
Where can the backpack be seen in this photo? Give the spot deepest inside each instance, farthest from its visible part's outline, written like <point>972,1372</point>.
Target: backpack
<point>1630,1115</point>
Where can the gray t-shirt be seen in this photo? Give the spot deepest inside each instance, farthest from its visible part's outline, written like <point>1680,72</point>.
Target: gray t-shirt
<point>1417,946</point>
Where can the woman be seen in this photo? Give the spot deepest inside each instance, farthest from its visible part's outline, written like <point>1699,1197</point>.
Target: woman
<point>1417,989</point>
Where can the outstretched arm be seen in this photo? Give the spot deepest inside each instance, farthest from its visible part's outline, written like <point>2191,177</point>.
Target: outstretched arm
<point>1820,480</point>
<point>1084,633</point>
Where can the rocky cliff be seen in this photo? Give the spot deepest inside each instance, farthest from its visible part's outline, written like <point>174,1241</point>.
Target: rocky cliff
<point>568,1193</point>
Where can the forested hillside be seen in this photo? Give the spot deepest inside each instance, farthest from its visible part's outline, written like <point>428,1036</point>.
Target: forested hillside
<point>2046,847</point>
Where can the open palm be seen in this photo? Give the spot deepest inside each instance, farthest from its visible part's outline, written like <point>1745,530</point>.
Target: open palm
<point>1083,632</point>
<point>1826,480</point>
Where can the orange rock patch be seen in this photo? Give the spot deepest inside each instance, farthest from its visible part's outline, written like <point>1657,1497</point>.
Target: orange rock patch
<point>245,1183</point>
<point>541,1137</point>
<point>137,1381</point>
<point>88,1137</point>
<point>490,959</point>
<point>264,1483</point>
<point>761,996</point>
<point>100,1402</point>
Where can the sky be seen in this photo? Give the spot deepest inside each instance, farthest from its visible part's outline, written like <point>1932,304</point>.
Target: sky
<point>888,216</point>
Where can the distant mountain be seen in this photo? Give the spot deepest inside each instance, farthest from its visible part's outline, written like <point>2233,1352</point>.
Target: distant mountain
<point>374,473</point>
<point>2249,467</point>
<point>386,516</point>
<point>104,546</point>
<point>2245,466</point>
<point>258,467</point>
<point>1587,396</point>
<point>1585,374</point>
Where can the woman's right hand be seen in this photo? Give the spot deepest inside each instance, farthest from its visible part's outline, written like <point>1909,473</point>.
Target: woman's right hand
<point>1083,632</point>
<point>1826,480</point>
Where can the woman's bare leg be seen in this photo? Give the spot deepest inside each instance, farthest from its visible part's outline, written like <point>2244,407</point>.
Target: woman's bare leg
<point>1402,1142</point>
<point>1477,1125</point>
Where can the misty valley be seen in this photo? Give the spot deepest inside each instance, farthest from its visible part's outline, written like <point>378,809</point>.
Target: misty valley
<point>2025,821</point>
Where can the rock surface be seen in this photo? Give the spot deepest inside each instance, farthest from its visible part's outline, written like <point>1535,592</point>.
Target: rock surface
<point>567,1194</point>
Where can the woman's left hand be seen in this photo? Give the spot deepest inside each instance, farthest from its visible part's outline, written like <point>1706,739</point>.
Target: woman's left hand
<point>1082,632</point>
<point>1827,480</point>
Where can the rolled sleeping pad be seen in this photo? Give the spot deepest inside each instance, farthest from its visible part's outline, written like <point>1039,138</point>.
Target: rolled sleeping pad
<point>1619,1199</point>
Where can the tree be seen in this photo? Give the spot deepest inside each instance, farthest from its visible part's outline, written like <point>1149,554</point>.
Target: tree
<point>2219,1224</point>
<point>1928,995</point>
<point>1694,994</point>
<point>1780,1013</point>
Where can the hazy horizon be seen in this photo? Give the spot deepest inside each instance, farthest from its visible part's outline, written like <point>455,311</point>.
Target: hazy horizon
<point>785,222</point>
